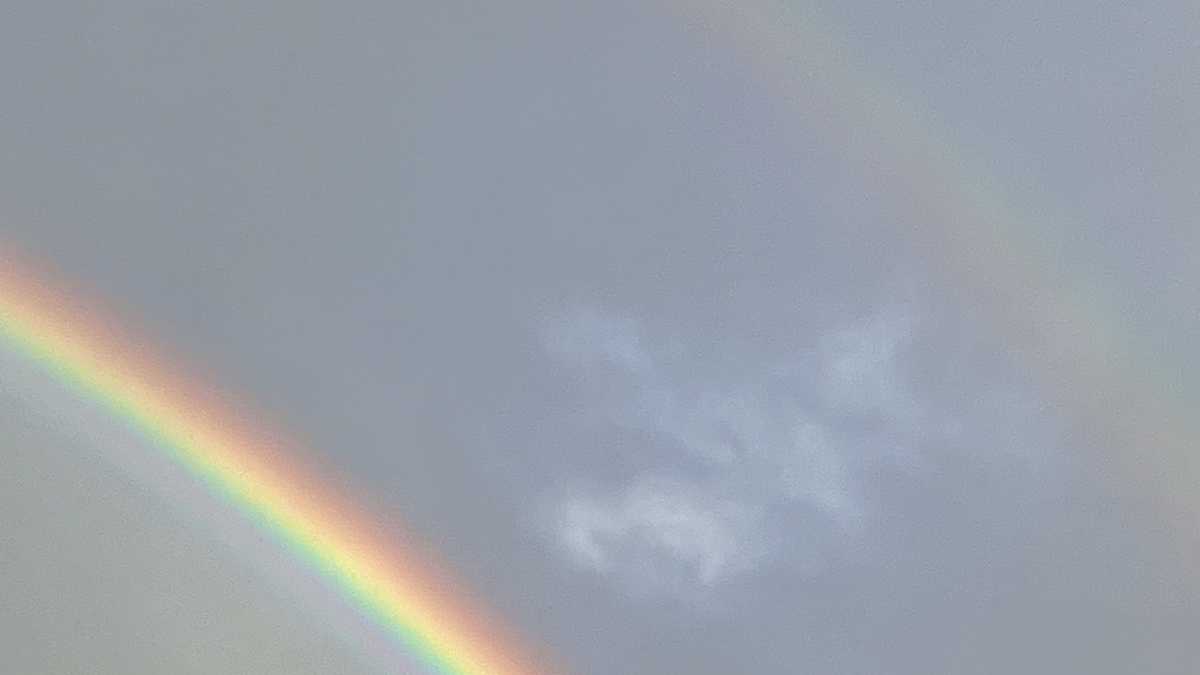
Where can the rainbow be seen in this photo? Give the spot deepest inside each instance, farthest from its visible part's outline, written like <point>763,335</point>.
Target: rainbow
<point>1012,264</point>
<point>1007,261</point>
<point>250,470</point>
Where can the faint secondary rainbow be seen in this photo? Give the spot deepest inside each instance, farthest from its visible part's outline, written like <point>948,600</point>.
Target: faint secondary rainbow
<point>1012,264</point>
<point>249,469</point>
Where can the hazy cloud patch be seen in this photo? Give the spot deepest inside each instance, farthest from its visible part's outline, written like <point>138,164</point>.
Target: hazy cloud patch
<point>760,446</point>
<point>794,436</point>
<point>592,339</point>
<point>658,532</point>
<point>860,369</point>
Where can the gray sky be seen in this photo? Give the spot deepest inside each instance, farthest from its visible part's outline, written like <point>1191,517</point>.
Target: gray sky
<point>778,338</point>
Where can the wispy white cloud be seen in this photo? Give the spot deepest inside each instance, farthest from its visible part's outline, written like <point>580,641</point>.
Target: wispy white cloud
<point>658,531</point>
<point>799,435</point>
<point>590,338</point>
<point>860,368</point>
<point>759,451</point>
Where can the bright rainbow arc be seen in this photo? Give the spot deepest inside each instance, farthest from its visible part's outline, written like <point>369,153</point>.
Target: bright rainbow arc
<point>406,596</point>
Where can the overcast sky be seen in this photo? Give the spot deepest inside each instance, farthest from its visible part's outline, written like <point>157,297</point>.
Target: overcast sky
<point>830,338</point>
